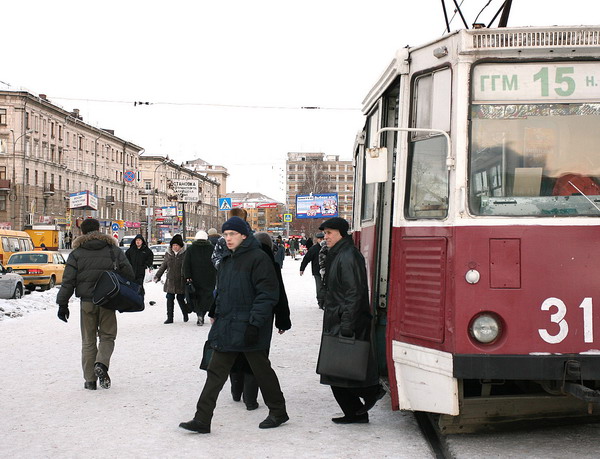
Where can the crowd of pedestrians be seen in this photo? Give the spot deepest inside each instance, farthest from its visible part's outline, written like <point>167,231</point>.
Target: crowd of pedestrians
<point>234,278</point>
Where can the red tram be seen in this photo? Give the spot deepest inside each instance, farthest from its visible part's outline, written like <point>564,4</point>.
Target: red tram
<point>477,208</point>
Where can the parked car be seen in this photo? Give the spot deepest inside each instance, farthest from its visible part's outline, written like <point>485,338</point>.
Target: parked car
<point>126,241</point>
<point>11,284</point>
<point>38,268</point>
<point>159,251</point>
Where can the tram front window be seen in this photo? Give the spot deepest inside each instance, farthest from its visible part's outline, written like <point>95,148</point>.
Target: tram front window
<point>535,159</point>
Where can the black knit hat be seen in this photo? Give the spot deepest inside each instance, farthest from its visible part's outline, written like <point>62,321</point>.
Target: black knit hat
<point>236,224</point>
<point>337,223</point>
<point>177,239</point>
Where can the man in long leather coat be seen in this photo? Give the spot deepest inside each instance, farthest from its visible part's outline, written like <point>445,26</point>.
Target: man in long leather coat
<point>347,313</point>
<point>247,292</point>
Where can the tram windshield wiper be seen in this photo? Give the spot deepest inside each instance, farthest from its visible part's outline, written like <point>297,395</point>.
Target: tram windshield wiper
<point>585,196</point>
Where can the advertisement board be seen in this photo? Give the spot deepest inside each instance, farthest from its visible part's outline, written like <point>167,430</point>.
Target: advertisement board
<point>317,205</point>
<point>83,200</point>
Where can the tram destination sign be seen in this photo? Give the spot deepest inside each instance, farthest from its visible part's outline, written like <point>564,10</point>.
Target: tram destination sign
<point>540,81</point>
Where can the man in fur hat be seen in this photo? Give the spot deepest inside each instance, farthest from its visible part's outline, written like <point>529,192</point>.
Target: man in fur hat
<point>93,253</point>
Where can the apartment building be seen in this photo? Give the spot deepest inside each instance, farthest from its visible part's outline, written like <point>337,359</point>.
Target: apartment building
<point>264,214</point>
<point>48,154</point>
<point>319,173</point>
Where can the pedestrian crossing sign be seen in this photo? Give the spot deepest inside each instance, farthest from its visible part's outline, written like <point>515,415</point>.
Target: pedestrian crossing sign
<point>224,204</point>
<point>287,218</point>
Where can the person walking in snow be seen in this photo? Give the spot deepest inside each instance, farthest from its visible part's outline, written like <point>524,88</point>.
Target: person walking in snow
<point>175,283</point>
<point>312,257</point>
<point>93,254</point>
<point>247,292</point>
<point>140,257</point>
<point>199,270</point>
<point>243,382</point>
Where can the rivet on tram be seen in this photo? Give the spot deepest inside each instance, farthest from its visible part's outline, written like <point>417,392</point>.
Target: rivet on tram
<point>472,276</point>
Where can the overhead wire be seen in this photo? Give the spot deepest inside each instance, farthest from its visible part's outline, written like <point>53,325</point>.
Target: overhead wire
<point>206,104</point>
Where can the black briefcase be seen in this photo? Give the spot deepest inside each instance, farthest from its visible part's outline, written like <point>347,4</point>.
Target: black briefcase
<point>342,357</point>
<point>113,291</point>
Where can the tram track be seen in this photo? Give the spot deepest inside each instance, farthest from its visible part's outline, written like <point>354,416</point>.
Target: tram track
<point>436,441</point>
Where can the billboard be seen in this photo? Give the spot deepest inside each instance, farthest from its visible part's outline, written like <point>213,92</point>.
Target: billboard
<point>83,200</point>
<point>317,205</point>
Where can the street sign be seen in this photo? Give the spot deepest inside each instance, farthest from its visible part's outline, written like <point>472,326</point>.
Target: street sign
<point>129,176</point>
<point>115,227</point>
<point>185,190</point>
<point>287,218</point>
<point>116,235</point>
<point>224,204</point>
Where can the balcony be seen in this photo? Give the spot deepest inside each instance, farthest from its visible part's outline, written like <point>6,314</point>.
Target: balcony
<point>49,189</point>
<point>4,185</point>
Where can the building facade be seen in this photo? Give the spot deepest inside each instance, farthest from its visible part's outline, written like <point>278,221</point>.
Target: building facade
<point>319,173</point>
<point>163,213</point>
<point>50,156</point>
<point>264,214</point>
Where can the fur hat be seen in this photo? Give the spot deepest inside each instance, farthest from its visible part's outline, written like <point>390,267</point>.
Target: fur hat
<point>236,224</point>
<point>212,231</point>
<point>177,239</point>
<point>201,235</point>
<point>337,223</point>
<point>320,235</point>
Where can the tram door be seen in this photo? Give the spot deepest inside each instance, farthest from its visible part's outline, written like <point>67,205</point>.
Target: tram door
<point>374,213</point>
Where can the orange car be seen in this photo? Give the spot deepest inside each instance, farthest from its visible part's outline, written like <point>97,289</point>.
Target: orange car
<point>38,268</point>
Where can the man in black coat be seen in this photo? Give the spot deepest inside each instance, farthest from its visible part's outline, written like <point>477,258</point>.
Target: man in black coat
<point>93,253</point>
<point>312,257</point>
<point>348,313</point>
<point>247,292</point>
<point>140,257</point>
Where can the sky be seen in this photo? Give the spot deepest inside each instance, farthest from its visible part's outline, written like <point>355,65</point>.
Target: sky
<point>225,79</point>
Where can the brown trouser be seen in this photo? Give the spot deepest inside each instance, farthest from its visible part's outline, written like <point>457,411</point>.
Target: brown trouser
<point>98,333</point>
<point>217,373</point>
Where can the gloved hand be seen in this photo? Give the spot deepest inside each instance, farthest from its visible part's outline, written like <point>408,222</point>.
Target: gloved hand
<point>347,332</point>
<point>251,335</point>
<point>63,312</point>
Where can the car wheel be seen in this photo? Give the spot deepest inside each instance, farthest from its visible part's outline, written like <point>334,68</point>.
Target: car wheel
<point>51,284</point>
<point>18,292</point>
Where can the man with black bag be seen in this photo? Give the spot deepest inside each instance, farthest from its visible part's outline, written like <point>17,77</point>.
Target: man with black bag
<point>347,315</point>
<point>93,253</point>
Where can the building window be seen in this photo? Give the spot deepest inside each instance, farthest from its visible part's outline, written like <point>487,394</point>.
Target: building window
<point>3,116</point>
<point>3,146</point>
<point>35,180</point>
<point>26,120</point>
<point>147,185</point>
<point>144,201</point>
<point>3,202</point>
<point>27,176</point>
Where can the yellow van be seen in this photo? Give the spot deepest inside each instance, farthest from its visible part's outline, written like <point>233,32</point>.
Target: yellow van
<point>13,241</point>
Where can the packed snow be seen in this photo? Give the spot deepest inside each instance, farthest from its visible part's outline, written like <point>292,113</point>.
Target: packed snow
<point>46,412</point>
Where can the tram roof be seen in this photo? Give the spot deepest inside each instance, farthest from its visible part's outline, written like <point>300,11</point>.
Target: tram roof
<point>491,40</point>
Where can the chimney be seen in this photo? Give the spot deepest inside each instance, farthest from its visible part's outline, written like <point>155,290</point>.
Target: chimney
<point>75,114</point>
<point>43,97</point>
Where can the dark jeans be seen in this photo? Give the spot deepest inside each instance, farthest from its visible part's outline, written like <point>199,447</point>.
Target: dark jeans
<point>349,397</point>
<point>217,373</point>
<point>320,290</point>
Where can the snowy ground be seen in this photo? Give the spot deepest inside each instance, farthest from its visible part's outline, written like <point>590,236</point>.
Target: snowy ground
<point>45,412</point>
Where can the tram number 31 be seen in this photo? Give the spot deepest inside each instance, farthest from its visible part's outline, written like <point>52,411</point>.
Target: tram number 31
<point>563,327</point>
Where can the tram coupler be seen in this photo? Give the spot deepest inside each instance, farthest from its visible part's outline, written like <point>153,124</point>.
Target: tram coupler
<point>577,389</point>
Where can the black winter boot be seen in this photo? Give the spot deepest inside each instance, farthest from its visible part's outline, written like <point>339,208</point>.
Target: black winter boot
<point>170,309</point>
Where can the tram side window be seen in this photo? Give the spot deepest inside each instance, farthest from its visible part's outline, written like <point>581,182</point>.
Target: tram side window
<point>368,194</point>
<point>427,185</point>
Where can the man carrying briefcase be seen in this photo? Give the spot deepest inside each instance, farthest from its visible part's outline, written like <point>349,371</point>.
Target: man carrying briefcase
<point>347,315</point>
<point>91,256</point>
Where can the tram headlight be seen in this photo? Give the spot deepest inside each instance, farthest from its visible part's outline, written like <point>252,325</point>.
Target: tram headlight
<point>485,328</point>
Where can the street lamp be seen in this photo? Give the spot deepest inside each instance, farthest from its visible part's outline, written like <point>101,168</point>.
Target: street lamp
<point>154,192</point>
<point>13,193</point>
